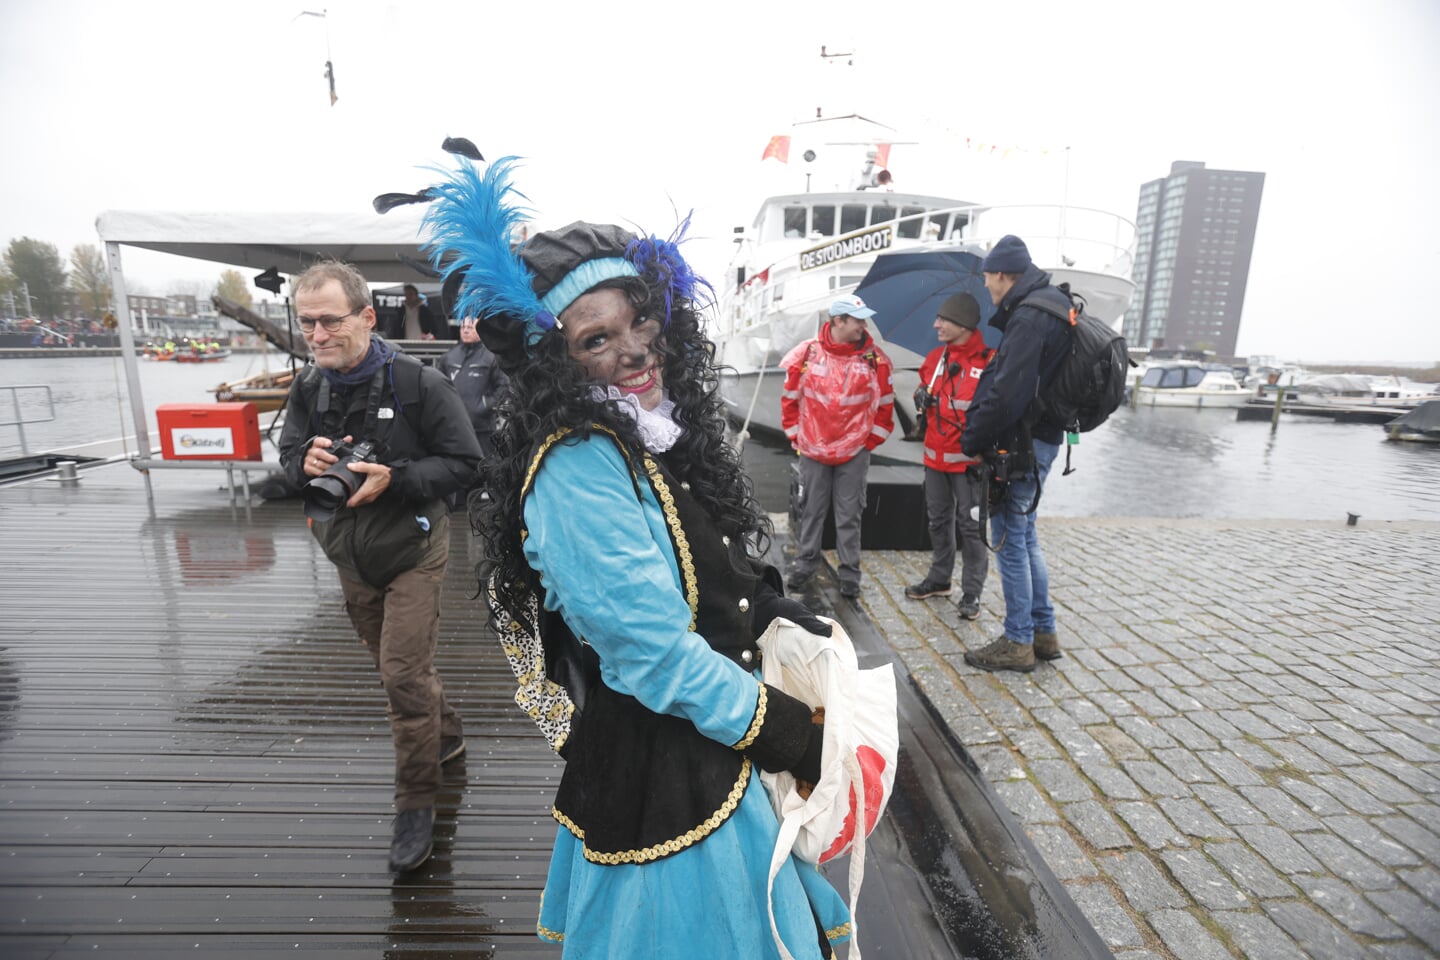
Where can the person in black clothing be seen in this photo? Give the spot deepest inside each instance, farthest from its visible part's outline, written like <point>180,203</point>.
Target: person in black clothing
<point>1033,344</point>
<point>478,379</point>
<point>390,539</point>
<point>415,320</point>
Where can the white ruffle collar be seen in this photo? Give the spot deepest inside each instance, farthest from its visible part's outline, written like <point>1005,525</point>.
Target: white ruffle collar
<point>657,428</point>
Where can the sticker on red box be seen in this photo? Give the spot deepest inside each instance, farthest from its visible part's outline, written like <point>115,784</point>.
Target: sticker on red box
<point>201,441</point>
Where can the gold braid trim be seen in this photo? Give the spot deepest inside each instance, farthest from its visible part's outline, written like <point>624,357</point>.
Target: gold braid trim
<point>677,533</point>
<point>838,933</point>
<point>758,722</point>
<point>686,839</point>
<point>544,448</point>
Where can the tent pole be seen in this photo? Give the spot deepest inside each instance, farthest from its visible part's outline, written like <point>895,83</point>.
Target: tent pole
<point>127,349</point>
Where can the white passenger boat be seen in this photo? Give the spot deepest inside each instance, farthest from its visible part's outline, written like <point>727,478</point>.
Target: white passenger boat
<point>803,250</point>
<point>1185,383</point>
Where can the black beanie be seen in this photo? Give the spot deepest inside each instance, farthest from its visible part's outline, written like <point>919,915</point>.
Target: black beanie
<point>552,255</point>
<point>961,310</point>
<point>1009,255</point>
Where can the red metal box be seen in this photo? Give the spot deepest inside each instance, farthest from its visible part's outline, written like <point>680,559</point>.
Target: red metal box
<point>209,431</point>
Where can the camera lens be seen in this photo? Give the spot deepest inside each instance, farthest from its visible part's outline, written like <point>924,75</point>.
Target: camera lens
<point>323,496</point>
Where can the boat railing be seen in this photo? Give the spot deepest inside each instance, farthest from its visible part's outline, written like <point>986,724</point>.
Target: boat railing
<point>1058,236</point>
<point>20,420</point>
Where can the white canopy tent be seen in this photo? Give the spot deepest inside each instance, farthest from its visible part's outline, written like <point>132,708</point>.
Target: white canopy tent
<point>385,248</point>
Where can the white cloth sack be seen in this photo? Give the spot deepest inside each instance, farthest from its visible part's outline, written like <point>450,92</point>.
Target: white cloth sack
<point>861,744</point>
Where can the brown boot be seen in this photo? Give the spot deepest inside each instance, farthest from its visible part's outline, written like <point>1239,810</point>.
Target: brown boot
<point>1003,654</point>
<point>1047,646</point>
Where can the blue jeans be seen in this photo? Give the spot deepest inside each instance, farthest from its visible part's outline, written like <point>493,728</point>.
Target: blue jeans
<point>1021,564</point>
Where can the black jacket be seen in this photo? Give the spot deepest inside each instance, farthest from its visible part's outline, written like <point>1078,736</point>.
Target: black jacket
<point>477,378</point>
<point>392,326</point>
<point>425,438</point>
<point>1032,345</point>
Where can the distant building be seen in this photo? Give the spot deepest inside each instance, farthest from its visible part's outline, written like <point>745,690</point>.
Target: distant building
<point>1195,230</point>
<point>182,305</point>
<point>152,306</point>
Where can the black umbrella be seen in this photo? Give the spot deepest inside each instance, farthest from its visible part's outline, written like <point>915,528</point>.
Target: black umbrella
<point>906,288</point>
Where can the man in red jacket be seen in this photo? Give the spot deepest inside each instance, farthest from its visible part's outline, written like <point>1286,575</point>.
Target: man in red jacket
<point>837,406</point>
<point>947,383</point>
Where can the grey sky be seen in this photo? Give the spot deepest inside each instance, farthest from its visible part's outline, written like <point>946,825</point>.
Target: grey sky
<point>222,105</point>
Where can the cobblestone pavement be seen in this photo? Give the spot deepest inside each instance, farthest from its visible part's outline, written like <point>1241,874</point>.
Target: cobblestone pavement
<point>1239,753</point>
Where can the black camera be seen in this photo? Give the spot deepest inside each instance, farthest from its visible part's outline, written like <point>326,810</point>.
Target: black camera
<point>324,494</point>
<point>999,465</point>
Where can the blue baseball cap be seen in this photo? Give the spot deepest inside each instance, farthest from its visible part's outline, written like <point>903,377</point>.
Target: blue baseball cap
<point>851,305</point>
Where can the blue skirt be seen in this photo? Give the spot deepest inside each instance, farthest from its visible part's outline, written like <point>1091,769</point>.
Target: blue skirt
<point>707,901</point>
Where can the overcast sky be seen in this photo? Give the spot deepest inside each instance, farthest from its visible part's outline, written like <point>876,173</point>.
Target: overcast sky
<point>222,106</point>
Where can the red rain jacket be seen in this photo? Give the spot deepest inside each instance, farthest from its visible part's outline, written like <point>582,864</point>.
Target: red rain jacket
<point>838,398</point>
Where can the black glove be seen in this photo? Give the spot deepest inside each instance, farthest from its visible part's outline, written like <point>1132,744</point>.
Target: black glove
<point>922,399</point>
<point>769,605</point>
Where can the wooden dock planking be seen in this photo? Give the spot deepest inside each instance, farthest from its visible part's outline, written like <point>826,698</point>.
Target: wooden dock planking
<point>193,750</point>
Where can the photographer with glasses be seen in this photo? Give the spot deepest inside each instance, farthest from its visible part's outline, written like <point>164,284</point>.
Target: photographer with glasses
<point>376,441</point>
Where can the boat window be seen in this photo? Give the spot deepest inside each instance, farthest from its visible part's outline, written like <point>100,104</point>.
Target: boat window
<point>910,229</point>
<point>1174,377</point>
<point>882,214</point>
<point>1193,376</point>
<point>845,281</point>
<point>794,222</point>
<point>852,216</point>
<point>823,221</point>
<point>1152,377</point>
<point>960,222</point>
<point>937,223</point>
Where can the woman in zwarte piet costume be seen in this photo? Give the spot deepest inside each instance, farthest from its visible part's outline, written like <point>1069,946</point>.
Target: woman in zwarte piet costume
<point>618,514</point>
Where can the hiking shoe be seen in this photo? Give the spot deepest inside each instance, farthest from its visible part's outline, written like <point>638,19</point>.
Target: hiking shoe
<point>1003,654</point>
<point>451,748</point>
<point>414,839</point>
<point>969,606</point>
<point>849,591</point>
<point>1047,645</point>
<point>928,588</point>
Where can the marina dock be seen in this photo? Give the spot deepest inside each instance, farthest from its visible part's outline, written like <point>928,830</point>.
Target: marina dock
<point>1239,755</point>
<point>194,757</point>
<point>1258,409</point>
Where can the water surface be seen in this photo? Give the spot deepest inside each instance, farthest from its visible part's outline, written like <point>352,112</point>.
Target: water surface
<point>1153,462</point>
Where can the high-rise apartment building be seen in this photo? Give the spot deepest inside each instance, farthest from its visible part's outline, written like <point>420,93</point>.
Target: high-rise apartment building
<point>1195,230</point>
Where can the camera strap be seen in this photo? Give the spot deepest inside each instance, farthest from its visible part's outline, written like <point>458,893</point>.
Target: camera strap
<point>333,426</point>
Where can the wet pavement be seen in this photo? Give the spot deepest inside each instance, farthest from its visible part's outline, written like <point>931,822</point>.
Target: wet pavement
<point>1239,753</point>
<point>194,756</point>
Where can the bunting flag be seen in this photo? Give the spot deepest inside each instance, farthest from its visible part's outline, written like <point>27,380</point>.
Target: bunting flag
<point>330,76</point>
<point>779,148</point>
<point>882,154</point>
<point>1003,150</point>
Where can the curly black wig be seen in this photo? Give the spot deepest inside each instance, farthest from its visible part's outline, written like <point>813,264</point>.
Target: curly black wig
<point>549,391</point>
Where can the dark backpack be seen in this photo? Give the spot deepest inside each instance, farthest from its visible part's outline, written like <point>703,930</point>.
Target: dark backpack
<point>1089,382</point>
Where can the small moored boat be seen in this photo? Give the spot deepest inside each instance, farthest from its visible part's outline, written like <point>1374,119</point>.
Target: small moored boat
<point>1421,425</point>
<point>1180,383</point>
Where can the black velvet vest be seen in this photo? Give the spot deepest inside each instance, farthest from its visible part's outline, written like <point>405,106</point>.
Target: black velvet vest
<point>638,785</point>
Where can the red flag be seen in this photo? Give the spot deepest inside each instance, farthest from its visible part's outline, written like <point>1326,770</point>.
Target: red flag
<point>882,154</point>
<point>779,148</point>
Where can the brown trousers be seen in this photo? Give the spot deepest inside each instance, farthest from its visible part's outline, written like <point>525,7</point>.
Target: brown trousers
<point>400,626</point>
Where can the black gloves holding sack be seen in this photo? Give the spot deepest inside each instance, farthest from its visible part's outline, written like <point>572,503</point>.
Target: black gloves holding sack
<point>769,604</point>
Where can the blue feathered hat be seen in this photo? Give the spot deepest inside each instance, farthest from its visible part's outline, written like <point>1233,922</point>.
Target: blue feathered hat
<point>473,226</point>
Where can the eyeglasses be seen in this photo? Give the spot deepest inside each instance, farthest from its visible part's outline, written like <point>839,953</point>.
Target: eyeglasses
<point>331,324</point>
